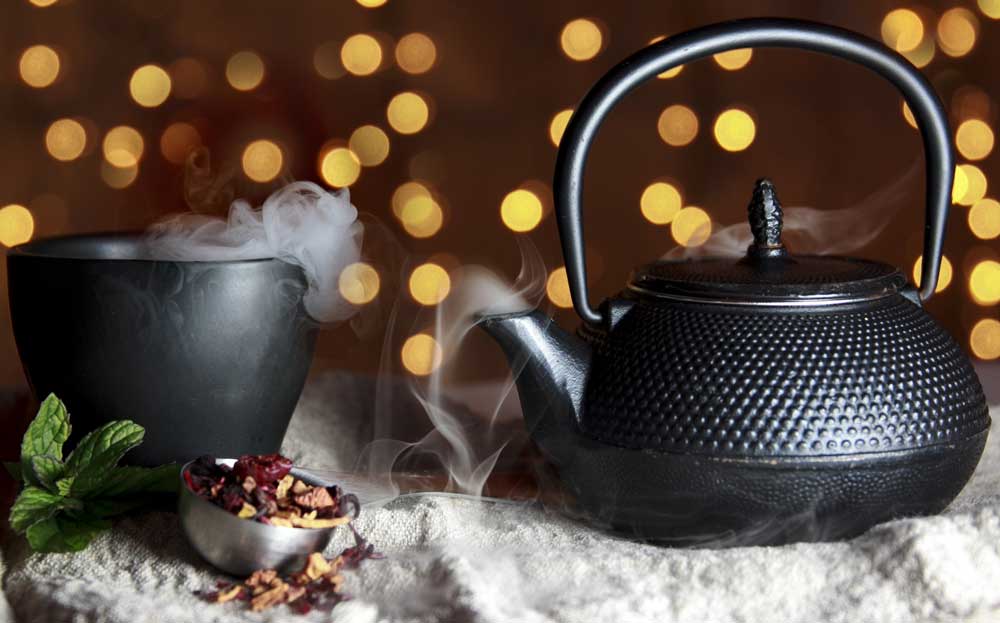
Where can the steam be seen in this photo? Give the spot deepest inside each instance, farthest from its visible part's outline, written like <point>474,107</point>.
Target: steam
<point>820,232</point>
<point>301,224</point>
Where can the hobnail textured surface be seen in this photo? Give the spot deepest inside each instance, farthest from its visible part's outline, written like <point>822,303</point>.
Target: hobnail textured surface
<point>745,381</point>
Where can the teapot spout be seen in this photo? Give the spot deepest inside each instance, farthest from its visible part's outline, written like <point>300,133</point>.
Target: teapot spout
<point>550,368</point>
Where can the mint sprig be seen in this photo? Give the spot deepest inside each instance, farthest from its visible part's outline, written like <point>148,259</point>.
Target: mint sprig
<point>64,504</point>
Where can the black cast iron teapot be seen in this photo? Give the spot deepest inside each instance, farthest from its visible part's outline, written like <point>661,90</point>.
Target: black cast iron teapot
<point>766,399</point>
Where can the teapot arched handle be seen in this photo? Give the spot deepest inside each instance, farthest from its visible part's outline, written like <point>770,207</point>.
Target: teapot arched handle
<point>749,33</point>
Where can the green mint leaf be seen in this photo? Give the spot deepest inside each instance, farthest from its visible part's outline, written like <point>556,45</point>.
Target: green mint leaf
<point>46,470</point>
<point>14,469</point>
<point>65,534</point>
<point>33,505</point>
<point>99,452</point>
<point>47,432</point>
<point>109,507</point>
<point>133,480</point>
<point>64,485</point>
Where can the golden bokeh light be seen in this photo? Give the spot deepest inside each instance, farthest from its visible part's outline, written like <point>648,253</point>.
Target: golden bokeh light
<point>959,185</point>
<point>660,202</point>
<point>975,184</point>
<point>984,219</point>
<point>39,66</point>
<point>558,125</point>
<point>691,227</point>
<point>340,167</point>
<point>945,273</point>
<point>189,78</point>
<point>429,284</point>
<point>733,59</point>
<point>581,39</point>
<point>677,125</point>
<point>421,216</point>
<point>371,4</point>
<point>150,86</point>
<point>359,283</point>
<point>245,70</point>
<point>521,210</point>
<point>421,354</point>
<point>123,146</point>
<point>957,31</point>
<point>923,54</point>
<point>178,141</point>
<point>984,282</point>
<point>416,53</point>
<point>404,193</point>
<point>370,144</point>
<point>902,30</point>
<point>407,113</point>
<point>262,160</point>
<point>361,54</point>
<point>984,339</point>
<point>990,8</point>
<point>16,225</point>
<point>908,115</point>
<point>326,60</point>
<point>974,139</point>
<point>65,139</point>
<point>557,288</point>
<point>119,177</point>
<point>734,129</point>
<point>43,3</point>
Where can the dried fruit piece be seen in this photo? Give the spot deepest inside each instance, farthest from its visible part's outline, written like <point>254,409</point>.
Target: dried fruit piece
<point>284,485</point>
<point>246,511</point>
<point>228,594</point>
<point>306,522</point>
<point>270,597</point>
<point>261,578</point>
<point>249,484</point>
<point>317,497</point>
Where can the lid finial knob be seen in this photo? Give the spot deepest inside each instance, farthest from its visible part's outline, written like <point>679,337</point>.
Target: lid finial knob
<point>765,222</point>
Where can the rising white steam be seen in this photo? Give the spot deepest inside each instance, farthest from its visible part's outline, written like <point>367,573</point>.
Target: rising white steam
<point>302,224</point>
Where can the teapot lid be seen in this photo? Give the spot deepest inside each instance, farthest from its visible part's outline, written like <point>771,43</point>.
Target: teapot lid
<point>768,274</point>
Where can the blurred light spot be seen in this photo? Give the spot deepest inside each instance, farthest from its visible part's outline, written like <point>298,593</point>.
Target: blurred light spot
<point>945,273</point>
<point>521,210</point>
<point>65,139</point>
<point>902,30</point>
<point>984,282</point>
<point>262,160</point>
<point>43,3</point>
<point>371,4</point>
<point>660,203</point>
<point>957,30</point>
<point>245,71</point>
<point>340,167</point>
<point>734,130</point>
<point>359,283</point>
<point>984,219</point>
<point>990,8</point>
<point>908,115</point>
<point>677,125</point>
<point>123,146</point>
<point>975,184</point>
<point>178,140</point>
<point>971,102</point>
<point>733,59</point>
<point>421,354</point>
<point>119,177</point>
<point>974,139</point>
<point>189,78</point>
<point>959,185</point>
<point>16,225</point>
<point>691,227</point>
<point>581,39</point>
<point>557,288</point>
<point>39,66</point>
<point>429,284</point>
<point>416,53</point>
<point>404,193</point>
<point>370,144</point>
<point>149,86</point>
<point>984,339</point>
<point>421,216</point>
<point>361,54</point>
<point>923,54</point>
<point>558,125</point>
<point>326,60</point>
<point>407,113</point>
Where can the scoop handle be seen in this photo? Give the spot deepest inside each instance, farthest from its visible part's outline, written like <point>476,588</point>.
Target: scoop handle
<point>749,33</point>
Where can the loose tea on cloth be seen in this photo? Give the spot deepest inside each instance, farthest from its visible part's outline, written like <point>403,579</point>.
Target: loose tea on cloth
<point>455,560</point>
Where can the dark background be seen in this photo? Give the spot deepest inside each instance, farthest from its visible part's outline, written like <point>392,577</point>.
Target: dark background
<point>828,133</point>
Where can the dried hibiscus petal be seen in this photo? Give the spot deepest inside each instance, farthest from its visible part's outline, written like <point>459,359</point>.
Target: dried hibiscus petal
<point>267,468</point>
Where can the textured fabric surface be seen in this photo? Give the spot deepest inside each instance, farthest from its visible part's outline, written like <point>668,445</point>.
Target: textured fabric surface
<point>452,559</point>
